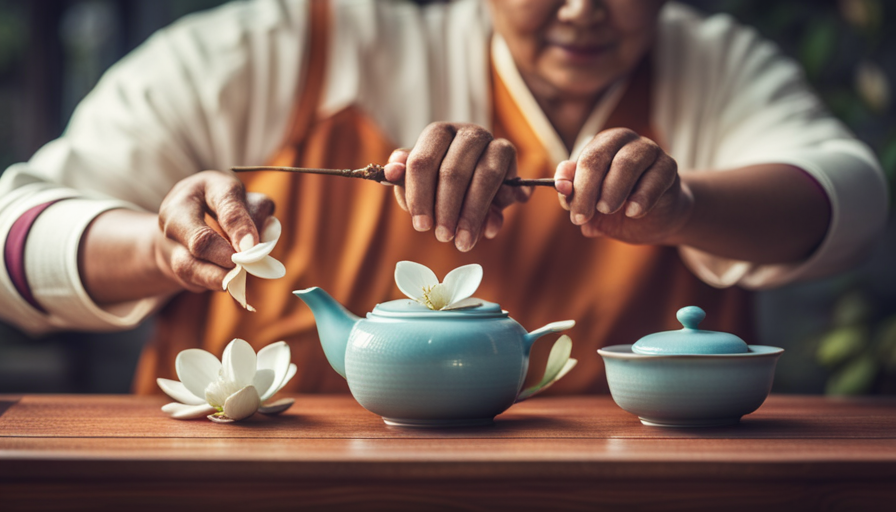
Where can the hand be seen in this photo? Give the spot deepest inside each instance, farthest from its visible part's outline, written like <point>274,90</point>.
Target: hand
<point>453,177</point>
<point>625,187</point>
<point>187,249</point>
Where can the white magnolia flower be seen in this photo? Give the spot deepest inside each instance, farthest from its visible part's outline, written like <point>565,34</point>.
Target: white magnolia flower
<point>233,390</point>
<point>256,261</point>
<point>559,364</point>
<point>421,284</point>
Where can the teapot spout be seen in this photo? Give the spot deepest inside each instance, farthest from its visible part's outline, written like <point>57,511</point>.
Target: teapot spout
<point>551,327</point>
<point>334,323</point>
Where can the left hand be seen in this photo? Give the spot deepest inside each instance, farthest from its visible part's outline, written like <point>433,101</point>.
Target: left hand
<point>626,187</point>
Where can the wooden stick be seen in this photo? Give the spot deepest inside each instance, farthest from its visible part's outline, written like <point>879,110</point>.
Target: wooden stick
<point>374,172</point>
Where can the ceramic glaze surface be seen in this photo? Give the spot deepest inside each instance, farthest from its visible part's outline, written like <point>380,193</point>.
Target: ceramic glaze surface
<point>690,390</point>
<point>436,369</point>
<point>690,339</point>
<point>424,368</point>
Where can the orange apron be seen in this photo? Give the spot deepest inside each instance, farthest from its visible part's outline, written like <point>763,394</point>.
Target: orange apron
<point>346,236</point>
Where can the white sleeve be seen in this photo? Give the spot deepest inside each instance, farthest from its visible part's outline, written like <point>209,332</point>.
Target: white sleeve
<point>729,99</point>
<point>212,91</point>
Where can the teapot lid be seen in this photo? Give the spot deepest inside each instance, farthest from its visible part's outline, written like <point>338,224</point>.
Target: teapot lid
<point>690,340</point>
<point>406,308</point>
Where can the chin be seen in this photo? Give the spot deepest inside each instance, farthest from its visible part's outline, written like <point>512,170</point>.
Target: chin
<point>578,84</point>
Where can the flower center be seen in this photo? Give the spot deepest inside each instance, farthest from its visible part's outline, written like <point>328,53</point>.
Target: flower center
<point>434,297</point>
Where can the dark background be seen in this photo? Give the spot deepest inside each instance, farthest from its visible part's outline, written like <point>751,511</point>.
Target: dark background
<point>839,333</point>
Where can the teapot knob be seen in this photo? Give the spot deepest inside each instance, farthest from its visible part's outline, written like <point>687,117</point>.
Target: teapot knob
<point>690,316</point>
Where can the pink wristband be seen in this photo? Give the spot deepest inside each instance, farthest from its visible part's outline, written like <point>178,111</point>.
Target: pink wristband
<point>14,253</point>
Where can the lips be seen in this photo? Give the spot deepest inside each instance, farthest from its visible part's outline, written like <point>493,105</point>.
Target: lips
<point>577,52</point>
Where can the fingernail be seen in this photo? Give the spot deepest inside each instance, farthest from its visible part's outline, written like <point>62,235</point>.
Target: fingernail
<point>464,240</point>
<point>603,207</point>
<point>579,219</point>
<point>422,222</point>
<point>443,234</point>
<point>633,210</point>
<point>246,243</point>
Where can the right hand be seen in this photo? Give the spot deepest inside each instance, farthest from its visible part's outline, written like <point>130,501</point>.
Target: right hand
<point>453,179</point>
<point>187,250</point>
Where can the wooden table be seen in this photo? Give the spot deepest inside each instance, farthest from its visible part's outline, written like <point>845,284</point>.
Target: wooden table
<point>556,453</point>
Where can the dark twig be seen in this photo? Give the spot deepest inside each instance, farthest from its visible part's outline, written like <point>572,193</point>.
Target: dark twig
<point>374,172</point>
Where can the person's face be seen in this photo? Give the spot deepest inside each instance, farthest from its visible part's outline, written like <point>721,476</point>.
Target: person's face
<point>576,47</point>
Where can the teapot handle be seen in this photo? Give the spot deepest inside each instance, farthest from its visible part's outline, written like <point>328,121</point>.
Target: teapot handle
<point>547,329</point>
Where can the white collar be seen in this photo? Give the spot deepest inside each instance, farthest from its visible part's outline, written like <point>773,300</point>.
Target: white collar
<point>538,121</point>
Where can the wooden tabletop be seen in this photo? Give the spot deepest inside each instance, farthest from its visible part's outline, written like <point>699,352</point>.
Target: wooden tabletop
<point>797,452</point>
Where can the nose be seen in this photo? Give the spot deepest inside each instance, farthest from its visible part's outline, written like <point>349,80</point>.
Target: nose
<point>582,12</point>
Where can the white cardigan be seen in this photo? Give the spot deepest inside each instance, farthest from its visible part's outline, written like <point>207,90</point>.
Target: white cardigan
<point>216,89</point>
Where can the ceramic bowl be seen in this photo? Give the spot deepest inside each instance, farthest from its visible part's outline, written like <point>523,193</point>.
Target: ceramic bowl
<point>690,390</point>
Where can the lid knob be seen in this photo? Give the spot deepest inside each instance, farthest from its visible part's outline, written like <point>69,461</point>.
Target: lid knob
<point>690,316</point>
<point>691,340</point>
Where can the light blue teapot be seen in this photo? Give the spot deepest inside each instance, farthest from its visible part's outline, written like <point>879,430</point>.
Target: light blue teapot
<point>420,367</point>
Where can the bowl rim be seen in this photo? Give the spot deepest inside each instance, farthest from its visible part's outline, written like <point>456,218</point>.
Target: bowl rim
<point>625,352</point>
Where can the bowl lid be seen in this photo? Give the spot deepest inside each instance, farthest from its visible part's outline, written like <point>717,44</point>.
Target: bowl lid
<point>406,308</point>
<point>690,340</point>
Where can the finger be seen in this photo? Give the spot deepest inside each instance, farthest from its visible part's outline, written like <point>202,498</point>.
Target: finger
<point>630,162</point>
<point>653,184</point>
<point>395,168</point>
<point>507,195</point>
<point>226,199</point>
<point>493,222</point>
<point>401,197</point>
<point>591,230</point>
<point>182,220</point>
<point>400,156</point>
<point>490,171</point>
<point>591,168</point>
<point>260,208</point>
<point>422,170</point>
<point>455,175</point>
<point>563,177</point>
<point>194,274</point>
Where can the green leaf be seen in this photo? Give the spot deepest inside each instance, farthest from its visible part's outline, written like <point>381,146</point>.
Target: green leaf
<point>855,378</point>
<point>841,344</point>
<point>886,342</point>
<point>817,47</point>
<point>852,309</point>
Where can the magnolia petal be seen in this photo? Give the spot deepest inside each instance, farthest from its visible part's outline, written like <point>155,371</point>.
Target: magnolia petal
<point>242,404</point>
<point>217,392</point>
<point>267,268</point>
<point>290,373</point>
<point>556,368</point>
<point>274,357</point>
<point>263,381</point>
<point>239,363</point>
<point>253,254</point>
<point>231,276</point>
<point>219,419</point>
<point>469,302</point>
<point>188,412</point>
<point>439,297</point>
<point>271,231</point>
<point>237,288</point>
<point>276,407</point>
<point>412,278</point>
<point>196,368</point>
<point>179,392</point>
<point>462,282</point>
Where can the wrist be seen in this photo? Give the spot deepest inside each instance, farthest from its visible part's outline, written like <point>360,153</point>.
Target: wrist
<point>686,215</point>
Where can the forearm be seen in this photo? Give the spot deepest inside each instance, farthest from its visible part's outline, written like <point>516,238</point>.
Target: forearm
<point>770,213</point>
<point>117,258</point>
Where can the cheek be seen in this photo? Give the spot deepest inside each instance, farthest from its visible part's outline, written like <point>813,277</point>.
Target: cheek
<point>633,15</point>
<point>521,23</point>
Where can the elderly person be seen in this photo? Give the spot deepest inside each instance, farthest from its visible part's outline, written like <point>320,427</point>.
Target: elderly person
<point>692,164</point>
